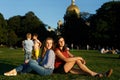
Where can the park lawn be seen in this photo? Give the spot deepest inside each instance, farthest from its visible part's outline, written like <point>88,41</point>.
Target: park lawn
<point>11,58</point>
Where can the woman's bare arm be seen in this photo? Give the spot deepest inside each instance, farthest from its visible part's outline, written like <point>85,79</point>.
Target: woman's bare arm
<point>62,57</point>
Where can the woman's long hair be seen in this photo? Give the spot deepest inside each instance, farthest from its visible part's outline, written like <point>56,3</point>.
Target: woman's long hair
<point>43,49</point>
<point>57,43</point>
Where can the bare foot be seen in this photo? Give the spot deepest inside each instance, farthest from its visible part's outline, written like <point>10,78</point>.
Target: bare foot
<point>11,73</point>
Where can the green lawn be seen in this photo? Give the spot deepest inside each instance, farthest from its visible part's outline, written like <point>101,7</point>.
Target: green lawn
<point>11,58</point>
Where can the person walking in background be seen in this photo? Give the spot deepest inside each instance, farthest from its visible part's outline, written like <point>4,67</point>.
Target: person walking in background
<point>27,47</point>
<point>37,45</point>
<point>65,62</point>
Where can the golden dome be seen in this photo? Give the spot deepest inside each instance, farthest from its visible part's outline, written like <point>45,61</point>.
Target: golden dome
<point>72,8</point>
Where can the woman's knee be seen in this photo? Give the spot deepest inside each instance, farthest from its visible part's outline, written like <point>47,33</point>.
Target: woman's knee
<point>66,69</point>
<point>31,62</point>
<point>78,62</point>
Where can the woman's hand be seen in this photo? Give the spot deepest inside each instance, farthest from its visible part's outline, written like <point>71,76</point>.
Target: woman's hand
<point>81,59</point>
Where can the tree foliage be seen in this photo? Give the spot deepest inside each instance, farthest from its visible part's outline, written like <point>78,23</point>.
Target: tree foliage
<point>3,30</point>
<point>105,24</point>
<point>14,30</point>
<point>101,28</point>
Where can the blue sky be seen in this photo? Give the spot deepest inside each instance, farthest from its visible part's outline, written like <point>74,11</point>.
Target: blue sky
<point>49,11</point>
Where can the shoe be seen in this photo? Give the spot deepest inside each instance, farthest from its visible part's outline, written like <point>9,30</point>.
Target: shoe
<point>100,75</point>
<point>106,74</point>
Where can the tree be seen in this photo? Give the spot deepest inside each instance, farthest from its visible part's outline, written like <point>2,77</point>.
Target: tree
<point>3,30</point>
<point>24,24</point>
<point>31,23</point>
<point>105,25</point>
<point>14,23</point>
<point>11,38</point>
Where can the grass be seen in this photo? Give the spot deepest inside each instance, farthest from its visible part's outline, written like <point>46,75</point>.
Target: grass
<point>11,58</point>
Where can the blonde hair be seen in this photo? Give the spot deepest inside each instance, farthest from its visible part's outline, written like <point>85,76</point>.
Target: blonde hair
<point>43,50</point>
<point>28,35</point>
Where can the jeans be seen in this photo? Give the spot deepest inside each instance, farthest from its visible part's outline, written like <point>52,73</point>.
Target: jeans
<point>39,69</point>
<point>24,68</point>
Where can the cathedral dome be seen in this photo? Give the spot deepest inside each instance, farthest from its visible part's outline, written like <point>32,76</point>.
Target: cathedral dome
<point>72,8</point>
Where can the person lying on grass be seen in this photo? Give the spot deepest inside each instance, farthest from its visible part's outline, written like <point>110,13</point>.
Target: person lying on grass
<point>45,67</point>
<point>65,62</point>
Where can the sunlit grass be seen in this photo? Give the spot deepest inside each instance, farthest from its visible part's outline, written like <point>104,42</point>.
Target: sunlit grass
<point>11,58</point>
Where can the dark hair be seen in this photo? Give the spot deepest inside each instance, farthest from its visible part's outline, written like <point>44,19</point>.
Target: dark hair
<point>57,43</point>
<point>35,34</point>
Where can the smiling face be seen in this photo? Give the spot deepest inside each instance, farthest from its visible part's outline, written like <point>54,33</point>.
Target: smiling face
<point>61,42</point>
<point>49,44</point>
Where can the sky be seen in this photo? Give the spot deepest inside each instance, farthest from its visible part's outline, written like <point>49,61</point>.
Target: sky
<point>48,11</point>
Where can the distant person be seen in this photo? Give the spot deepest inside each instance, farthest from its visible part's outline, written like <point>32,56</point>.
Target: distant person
<point>37,45</point>
<point>65,62</point>
<point>114,51</point>
<point>28,47</point>
<point>72,46</point>
<point>88,47</point>
<point>103,50</point>
<point>45,67</point>
<point>117,51</point>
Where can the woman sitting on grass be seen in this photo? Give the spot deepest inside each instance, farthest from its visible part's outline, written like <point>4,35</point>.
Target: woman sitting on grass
<point>46,65</point>
<point>65,62</point>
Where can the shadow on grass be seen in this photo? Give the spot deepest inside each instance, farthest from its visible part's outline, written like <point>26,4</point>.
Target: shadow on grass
<point>5,67</point>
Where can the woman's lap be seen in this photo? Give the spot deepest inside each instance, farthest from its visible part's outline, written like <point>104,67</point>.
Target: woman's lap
<point>39,69</point>
<point>60,69</point>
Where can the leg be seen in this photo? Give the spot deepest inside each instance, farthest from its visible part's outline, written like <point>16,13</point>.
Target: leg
<point>13,72</point>
<point>68,66</point>
<point>36,54</point>
<point>76,71</point>
<point>26,68</point>
<point>39,69</point>
<point>22,68</point>
<point>26,57</point>
<point>85,69</point>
